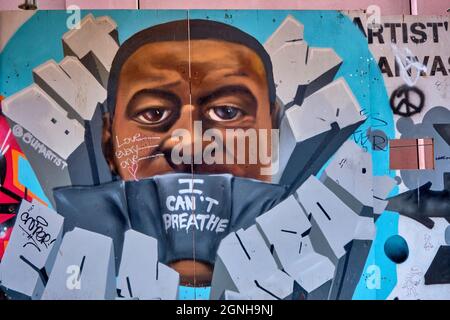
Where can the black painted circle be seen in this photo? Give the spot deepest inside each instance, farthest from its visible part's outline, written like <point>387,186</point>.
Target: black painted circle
<point>405,107</point>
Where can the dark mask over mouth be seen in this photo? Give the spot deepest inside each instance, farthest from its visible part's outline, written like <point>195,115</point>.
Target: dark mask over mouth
<point>188,214</point>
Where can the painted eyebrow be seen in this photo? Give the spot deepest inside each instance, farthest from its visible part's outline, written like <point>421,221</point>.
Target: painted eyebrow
<point>156,93</point>
<point>227,91</point>
<point>236,74</point>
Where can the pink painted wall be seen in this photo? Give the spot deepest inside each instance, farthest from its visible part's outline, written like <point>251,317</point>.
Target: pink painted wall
<point>102,4</point>
<point>433,6</point>
<point>388,7</point>
<point>42,4</point>
<point>62,4</point>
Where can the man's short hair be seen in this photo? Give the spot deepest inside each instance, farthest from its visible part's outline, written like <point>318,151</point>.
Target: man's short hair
<point>178,31</point>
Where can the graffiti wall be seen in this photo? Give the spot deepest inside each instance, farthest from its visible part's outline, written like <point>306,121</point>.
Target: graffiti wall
<point>293,155</point>
<point>413,56</point>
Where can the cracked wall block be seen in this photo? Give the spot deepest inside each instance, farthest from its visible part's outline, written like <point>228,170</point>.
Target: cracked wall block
<point>245,265</point>
<point>31,251</point>
<point>333,103</point>
<point>84,268</point>
<point>312,272</point>
<point>349,270</point>
<point>382,186</point>
<point>34,110</point>
<point>141,276</point>
<point>312,133</point>
<point>87,165</point>
<point>299,70</point>
<point>290,30</point>
<point>60,149</point>
<point>335,221</point>
<point>285,229</point>
<point>72,86</point>
<point>321,293</point>
<point>95,44</point>
<point>351,170</point>
<point>231,295</point>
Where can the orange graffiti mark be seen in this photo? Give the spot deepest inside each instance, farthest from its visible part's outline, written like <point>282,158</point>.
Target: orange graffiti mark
<point>15,161</point>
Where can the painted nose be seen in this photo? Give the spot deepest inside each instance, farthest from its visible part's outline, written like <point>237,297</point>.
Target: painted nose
<point>182,146</point>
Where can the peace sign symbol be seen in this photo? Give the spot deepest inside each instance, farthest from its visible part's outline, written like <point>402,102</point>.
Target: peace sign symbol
<point>404,107</point>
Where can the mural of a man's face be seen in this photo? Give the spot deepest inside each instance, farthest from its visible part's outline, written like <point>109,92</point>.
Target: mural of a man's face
<point>165,86</point>
<point>168,85</point>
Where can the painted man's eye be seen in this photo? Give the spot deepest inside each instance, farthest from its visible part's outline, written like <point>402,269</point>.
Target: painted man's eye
<point>153,115</point>
<point>224,113</point>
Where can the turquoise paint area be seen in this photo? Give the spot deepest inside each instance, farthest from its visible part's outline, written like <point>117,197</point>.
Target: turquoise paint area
<point>28,179</point>
<point>189,293</point>
<point>387,226</point>
<point>40,40</point>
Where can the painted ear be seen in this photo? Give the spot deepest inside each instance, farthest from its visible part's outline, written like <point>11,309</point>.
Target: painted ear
<point>277,113</point>
<point>107,142</point>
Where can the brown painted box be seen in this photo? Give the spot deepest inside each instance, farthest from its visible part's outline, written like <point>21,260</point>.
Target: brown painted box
<point>411,154</point>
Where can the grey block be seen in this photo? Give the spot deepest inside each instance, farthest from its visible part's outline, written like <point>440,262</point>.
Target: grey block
<point>285,229</point>
<point>141,276</point>
<point>84,268</point>
<point>245,265</point>
<point>231,295</point>
<point>382,186</point>
<point>37,112</point>
<point>346,196</point>
<point>321,293</point>
<point>87,165</point>
<point>31,251</point>
<point>332,219</point>
<point>290,30</point>
<point>333,103</point>
<point>46,136</point>
<point>60,149</point>
<point>351,168</point>
<point>313,132</point>
<point>99,168</point>
<point>95,44</point>
<point>297,67</point>
<point>255,293</point>
<point>312,270</point>
<point>350,269</point>
<point>72,86</point>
